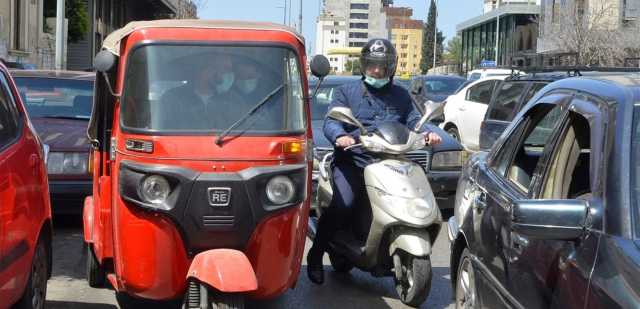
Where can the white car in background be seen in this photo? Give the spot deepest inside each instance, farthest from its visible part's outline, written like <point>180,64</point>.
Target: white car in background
<point>464,111</point>
<point>489,72</point>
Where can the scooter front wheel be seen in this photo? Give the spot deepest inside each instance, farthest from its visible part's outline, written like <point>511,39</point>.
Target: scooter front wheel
<point>412,277</point>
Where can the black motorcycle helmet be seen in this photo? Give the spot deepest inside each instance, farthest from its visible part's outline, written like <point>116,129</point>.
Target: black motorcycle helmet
<point>379,53</point>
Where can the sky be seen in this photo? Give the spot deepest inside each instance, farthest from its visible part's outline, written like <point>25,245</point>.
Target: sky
<point>451,13</point>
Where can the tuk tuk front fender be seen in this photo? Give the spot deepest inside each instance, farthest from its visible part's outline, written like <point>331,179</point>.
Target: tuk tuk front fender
<point>87,219</point>
<point>225,270</point>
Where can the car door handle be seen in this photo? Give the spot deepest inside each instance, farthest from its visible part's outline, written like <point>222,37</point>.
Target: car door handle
<point>480,201</point>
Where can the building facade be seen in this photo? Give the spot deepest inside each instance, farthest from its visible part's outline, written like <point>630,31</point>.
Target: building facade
<point>406,35</point>
<point>345,26</point>
<point>506,33</point>
<point>22,34</point>
<point>617,19</point>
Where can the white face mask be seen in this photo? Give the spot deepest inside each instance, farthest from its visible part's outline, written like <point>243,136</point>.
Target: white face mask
<point>248,85</point>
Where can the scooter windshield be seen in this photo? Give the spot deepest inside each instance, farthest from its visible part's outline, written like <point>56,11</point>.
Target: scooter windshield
<point>206,88</point>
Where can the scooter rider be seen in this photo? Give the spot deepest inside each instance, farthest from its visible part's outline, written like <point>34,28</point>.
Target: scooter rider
<point>373,100</point>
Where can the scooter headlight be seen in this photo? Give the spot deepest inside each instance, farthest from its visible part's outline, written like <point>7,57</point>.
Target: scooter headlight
<point>419,208</point>
<point>155,189</point>
<point>280,190</point>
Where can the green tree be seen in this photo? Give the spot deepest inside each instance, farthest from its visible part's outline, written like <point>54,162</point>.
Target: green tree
<point>76,13</point>
<point>353,66</point>
<point>428,39</point>
<point>453,51</point>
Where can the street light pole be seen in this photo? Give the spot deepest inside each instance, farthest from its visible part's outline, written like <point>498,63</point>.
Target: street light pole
<point>300,18</point>
<point>435,37</point>
<point>497,31</point>
<point>59,34</point>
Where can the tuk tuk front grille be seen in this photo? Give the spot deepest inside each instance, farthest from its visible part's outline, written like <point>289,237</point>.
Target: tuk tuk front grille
<point>217,221</point>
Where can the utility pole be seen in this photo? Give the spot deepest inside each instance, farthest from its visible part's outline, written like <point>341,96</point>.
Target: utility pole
<point>290,5</point>
<point>59,34</point>
<point>435,37</point>
<point>497,31</point>
<point>300,18</point>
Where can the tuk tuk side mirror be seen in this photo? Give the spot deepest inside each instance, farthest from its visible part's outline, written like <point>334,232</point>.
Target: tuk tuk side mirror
<point>344,114</point>
<point>103,63</point>
<point>320,66</point>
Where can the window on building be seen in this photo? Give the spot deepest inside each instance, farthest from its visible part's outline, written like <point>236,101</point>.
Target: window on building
<point>405,37</point>
<point>357,44</point>
<point>403,55</point>
<point>335,23</point>
<point>555,13</point>
<point>404,46</point>
<point>359,16</point>
<point>359,6</point>
<point>359,25</point>
<point>358,35</point>
<point>18,26</point>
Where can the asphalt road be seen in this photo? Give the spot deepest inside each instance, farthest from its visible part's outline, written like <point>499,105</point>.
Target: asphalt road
<point>68,289</point>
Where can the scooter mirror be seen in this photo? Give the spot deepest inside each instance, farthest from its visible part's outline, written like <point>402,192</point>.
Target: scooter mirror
<point>432,111</point>
<point>344,114</point>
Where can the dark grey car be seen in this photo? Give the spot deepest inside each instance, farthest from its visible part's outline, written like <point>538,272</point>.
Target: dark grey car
<point>550,217</point>
<point>442,163</point>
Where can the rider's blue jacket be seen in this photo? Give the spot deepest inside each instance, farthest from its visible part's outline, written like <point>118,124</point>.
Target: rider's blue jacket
<point>371,107</point>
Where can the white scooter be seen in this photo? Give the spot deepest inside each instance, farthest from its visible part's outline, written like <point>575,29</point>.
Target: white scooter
<point>393,233</point>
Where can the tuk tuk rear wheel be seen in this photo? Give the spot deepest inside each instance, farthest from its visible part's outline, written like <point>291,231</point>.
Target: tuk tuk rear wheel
<point>94,272</point>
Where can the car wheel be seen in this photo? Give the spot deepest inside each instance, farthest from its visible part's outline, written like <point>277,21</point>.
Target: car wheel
<point>453,131</point>
<point>35,293</point>
<point>465,293</point>
<point>94,272</point>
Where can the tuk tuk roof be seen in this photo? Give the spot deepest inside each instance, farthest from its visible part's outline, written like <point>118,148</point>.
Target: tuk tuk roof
<point>112,42</point>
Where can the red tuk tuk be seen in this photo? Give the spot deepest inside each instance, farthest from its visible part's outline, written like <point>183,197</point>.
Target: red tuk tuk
<point>201,159</point>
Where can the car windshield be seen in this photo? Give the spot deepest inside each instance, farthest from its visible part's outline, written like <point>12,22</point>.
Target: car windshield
<point>204,88</point>
<point>56,97</point>
<point>442,86</point>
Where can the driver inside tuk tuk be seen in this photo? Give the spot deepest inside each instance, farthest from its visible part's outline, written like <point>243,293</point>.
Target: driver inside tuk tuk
<point>197,103</point>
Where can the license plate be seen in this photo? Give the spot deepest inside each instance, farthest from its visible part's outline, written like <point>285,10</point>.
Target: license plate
<point>219,197</point>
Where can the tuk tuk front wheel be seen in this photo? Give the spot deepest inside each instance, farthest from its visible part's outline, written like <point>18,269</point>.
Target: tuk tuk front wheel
<point>94,272</point>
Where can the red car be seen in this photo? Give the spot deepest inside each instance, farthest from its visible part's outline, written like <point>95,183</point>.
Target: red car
<point>25,211</point>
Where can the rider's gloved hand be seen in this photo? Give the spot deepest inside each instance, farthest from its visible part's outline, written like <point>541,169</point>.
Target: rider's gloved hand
<point>345,141</point>
<point>432,139</point>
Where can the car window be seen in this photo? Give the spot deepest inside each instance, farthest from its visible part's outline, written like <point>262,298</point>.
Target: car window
<point>9,118</point>
<point>522,149</point>
<point>635,163</point>
<point>321,103</point>
<point>533,90</point>
<point>503,106</point>
<point>56,97</point>
<point>481,93</point>
<point>442,87</point>
<point>568,175</point>
<point>527,155</point>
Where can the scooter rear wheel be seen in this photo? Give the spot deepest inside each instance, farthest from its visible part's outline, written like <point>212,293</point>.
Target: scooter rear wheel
<point>339,263</point>
<point>415,278</point>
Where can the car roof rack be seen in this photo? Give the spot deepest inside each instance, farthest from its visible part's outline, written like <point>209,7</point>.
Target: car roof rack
<point>572,71</point>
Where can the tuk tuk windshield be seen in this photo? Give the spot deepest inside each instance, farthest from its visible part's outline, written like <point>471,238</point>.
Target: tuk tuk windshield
<point>206,89</point>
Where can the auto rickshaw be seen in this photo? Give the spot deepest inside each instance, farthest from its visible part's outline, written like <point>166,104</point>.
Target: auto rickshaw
<point>199,197</point>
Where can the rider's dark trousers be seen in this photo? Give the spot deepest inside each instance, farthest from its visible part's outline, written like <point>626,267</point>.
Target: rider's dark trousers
<point>348,186</point>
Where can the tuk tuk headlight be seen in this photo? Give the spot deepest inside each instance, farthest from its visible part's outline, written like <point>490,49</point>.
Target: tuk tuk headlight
<point>70,163</point>
<point>280,190</point>
<point>155,189</point>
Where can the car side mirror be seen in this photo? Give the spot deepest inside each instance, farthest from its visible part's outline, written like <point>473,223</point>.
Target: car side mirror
<point>320,66</point>
<point>417,88</point>
<point>432,110</point>
<point>344,114</point>
<point>550,219</point>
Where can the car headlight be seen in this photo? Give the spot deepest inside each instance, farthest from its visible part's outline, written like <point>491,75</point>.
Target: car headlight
<point>447,160</point>
<point>280,190</point>
<point>154,189</point>
<point>74,163</point>
<point>418,208</point>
